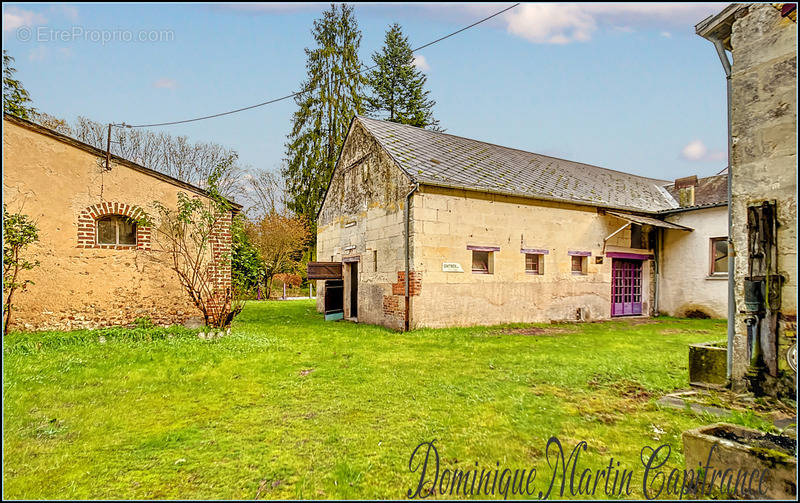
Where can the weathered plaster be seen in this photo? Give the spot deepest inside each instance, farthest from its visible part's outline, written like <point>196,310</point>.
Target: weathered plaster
<point>685,282</point>
<point>78,287</point>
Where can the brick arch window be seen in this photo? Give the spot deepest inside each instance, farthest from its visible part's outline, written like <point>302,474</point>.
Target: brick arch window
<point>111,225</point>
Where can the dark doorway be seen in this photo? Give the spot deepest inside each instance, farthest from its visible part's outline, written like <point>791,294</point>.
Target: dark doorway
<point>334,299</point>
<point>354,289</point>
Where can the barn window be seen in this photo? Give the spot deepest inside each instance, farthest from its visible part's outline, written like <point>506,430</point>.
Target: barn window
<point>534,263</point>
<point>482,262</point>
<point>116,230</point>
<point>719,256</point>
<point>578,264</point>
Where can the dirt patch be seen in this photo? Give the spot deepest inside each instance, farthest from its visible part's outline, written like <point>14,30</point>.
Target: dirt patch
<point>624,388</point>
<point>305,372</point>
<point>536,331</point>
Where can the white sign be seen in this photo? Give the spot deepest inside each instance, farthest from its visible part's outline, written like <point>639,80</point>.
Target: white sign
<point>451,267</point>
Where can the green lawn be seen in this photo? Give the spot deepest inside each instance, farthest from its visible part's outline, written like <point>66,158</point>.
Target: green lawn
<point>290,406</point>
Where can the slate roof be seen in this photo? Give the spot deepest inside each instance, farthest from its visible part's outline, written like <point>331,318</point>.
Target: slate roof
<point>440,159</point>
<point>709,191</point>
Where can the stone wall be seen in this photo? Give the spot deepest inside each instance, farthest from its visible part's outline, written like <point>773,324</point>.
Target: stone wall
<point>764,157</point>
<point>448,221</point>
<point>363,218</point>
<point>79,284</point>
<point>685,283</point>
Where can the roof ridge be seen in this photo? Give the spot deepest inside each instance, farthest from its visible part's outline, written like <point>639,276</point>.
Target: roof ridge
<point>655,180</point>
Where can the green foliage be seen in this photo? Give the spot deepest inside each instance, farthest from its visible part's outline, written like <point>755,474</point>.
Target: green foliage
<point>300,407</point>
<point>15,98</point>
<point>19,232</point>
<point>750,419</point>
<point>398,87</point>
<point>329,98</point>
<point>246,266</point>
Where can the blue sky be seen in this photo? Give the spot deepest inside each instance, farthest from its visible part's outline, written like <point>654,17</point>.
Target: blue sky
<point>624,86</point>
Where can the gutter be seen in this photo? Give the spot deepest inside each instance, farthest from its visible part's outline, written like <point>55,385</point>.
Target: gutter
<point>407,253</point>
<point>726,66</point>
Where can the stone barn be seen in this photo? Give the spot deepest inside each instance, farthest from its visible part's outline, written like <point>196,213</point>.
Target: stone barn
<point>426,229</point>
<point>98,267</point>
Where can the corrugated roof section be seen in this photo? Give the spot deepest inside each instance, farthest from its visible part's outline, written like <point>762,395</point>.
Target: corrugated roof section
<point>441,159</point>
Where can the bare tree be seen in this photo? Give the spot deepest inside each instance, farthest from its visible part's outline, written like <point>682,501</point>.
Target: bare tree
<point>264,192</point>
<point>188,235</point>
<point>176,156</point>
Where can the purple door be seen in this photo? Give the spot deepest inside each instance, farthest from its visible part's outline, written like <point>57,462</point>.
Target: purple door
<point>626,287</point>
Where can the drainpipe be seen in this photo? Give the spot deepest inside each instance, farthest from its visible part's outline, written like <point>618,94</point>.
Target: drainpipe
<point>726,65</point>
<point>408,252</point>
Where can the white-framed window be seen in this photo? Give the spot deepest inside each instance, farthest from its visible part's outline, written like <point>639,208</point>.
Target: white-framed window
<point>719,256</point>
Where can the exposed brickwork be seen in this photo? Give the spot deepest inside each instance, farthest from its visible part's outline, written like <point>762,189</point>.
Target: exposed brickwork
<point>392,306</point>
<point>220,269</point>
<point>87,226</point>
<point>414,285</point>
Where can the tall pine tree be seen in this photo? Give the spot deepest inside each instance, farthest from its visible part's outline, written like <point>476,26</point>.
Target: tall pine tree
<point>398,87</point>
<point>330,96</point>
<point>16,99</point>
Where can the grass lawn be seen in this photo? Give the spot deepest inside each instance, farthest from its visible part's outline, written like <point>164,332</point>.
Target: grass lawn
<point>290,406</point>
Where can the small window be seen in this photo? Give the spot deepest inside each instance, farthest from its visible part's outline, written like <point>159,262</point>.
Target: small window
<point>116,230</point>
<point>482,262</point>
<point>534,263</point>
<point>375,260</point>
<point>578,264</point>
<point>719,256</point>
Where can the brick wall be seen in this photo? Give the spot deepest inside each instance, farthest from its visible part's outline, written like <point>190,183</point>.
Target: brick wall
<point>87,225</point>
<point>220,268</point>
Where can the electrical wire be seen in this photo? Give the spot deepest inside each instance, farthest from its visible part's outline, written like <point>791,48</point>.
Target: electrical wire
<point>288,96</point>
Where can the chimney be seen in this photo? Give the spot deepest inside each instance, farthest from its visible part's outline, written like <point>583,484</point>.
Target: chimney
<point>685,188</point>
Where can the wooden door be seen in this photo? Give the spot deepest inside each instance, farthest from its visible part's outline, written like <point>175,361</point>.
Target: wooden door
<point>626,287</point>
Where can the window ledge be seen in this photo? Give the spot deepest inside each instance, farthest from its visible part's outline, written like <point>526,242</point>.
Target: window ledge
<point>576,273</point>
<point>718,277</point>
<point>532,273</point>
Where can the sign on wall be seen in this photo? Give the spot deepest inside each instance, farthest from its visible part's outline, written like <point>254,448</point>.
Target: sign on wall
<point>451,267</point>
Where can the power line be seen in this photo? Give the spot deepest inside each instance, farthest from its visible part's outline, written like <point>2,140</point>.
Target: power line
<point>288,96</point>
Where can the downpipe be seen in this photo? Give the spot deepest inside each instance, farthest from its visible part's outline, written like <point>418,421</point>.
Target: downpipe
<point>726,66</point>
<point>407,254</point>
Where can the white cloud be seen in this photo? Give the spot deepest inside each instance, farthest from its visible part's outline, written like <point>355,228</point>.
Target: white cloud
<point>14,17</point>
<point>666,34</point>
<point>421,63</point>
<point>696,150</point>
<point>165,83</point>
<point>551,24</point>
<point>566,23</point>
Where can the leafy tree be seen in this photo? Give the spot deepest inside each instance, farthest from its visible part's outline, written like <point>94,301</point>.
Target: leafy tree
<point>247,268</point>
<point>19,232</point>
<point>280,241</point>
<point>15,97</point>
<point>397,86</point>
<point>329,98</point>
<point>188,233</point>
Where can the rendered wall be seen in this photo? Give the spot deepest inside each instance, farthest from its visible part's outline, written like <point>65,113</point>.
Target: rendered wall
<point>685,283</point>
<point>78,285</point>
